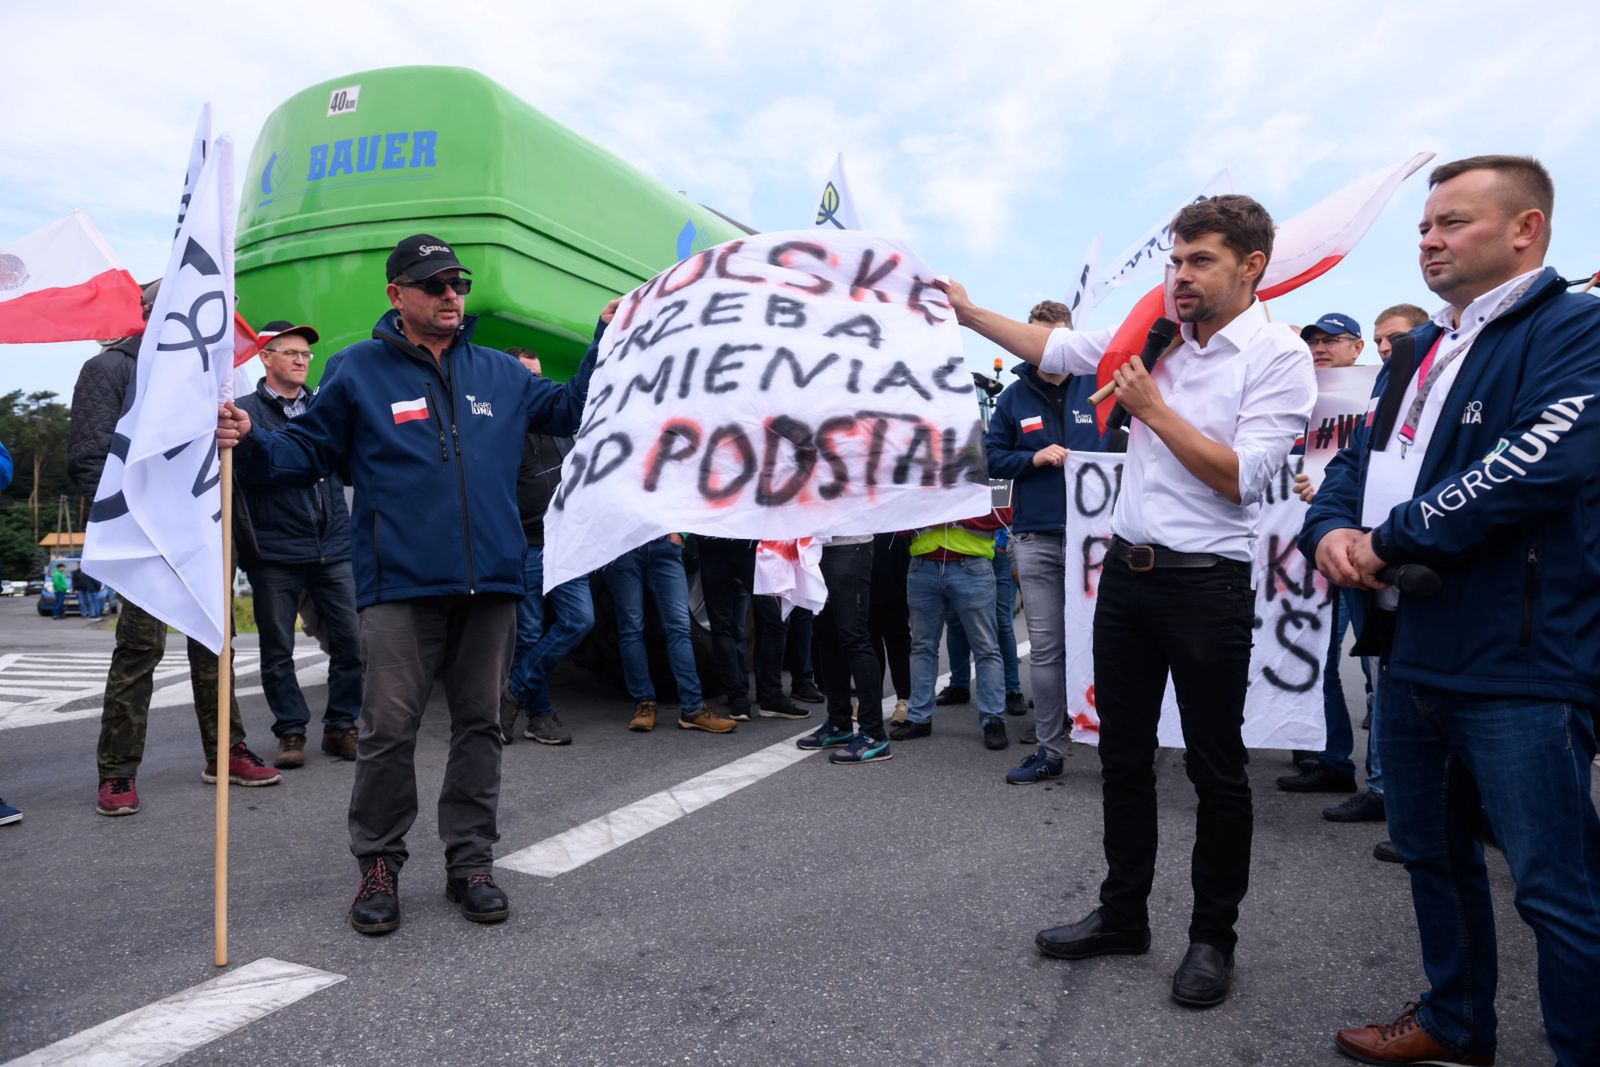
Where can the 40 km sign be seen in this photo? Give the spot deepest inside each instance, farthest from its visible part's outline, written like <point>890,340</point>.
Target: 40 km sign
<point>1283,707</point>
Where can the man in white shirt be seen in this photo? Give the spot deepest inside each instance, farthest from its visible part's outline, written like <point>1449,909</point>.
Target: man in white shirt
<point>1214,421</point>
<point>1479,462</point>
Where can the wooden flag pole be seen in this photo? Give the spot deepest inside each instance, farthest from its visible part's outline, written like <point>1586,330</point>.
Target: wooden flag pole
<point>224,712</point>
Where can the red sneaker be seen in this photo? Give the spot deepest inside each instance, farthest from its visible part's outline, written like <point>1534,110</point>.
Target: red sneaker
<point>117,797</point>
<point>244,768</point>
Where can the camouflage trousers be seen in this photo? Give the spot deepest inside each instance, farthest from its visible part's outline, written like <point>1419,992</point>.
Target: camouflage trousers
<point>141,641</point>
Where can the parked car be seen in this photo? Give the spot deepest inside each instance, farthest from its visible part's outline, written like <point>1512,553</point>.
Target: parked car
<point>47,595</point>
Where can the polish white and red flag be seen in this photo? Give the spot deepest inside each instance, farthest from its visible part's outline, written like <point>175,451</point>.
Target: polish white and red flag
<point>407,410</point>
<point>63,283</point>
<point>1305,247</point>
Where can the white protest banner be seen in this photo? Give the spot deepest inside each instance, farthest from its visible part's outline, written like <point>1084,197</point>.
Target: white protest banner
<point>837,207</point>
<point>154,532</point>
<point>1344,395</point>
<point>774,387</point>
<point>1283,706</point>
<point>1149,253</point>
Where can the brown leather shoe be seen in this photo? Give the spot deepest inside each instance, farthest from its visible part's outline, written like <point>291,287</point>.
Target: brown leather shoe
<point>1403,1041</point>
<point>644,717</point>
<point>705,719</point>
<point>291,752</point>
<point>341,743</point>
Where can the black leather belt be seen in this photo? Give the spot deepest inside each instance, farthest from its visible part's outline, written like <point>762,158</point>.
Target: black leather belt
<point>1140,558</point>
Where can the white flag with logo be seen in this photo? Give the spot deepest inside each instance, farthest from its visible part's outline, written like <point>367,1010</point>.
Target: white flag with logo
<point>837,208</point>
<point>154,533</point>
<point>1147,255</point>
<point>1078,295</point>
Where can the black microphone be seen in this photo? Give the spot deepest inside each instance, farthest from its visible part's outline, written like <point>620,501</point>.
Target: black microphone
<point>1412,579</point>
<point>1161,334</point>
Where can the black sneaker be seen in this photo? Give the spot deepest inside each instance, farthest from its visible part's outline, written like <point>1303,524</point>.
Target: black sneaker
<point>547,730</point>
<point>909,731</point>
<point>739,709</point>
<point>1363,807</point>
<point>1319,779</point>
<point>994,734</point>
<point>953,694</point>
<point>781,707</point>
<point>1385,851</point>
<point>806,692</point>
<point>1016,704</point>
<point>376,909</point>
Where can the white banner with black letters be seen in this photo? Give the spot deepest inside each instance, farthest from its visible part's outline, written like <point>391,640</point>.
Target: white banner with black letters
<point>774,387</point>
<point>1283,706</point>
<point>154,533</point>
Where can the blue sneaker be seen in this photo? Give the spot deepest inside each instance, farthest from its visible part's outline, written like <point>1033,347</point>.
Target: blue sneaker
<point>1038,767</point>
<point>826,736</point>
<point>9,814</point>
<point>862,749</point>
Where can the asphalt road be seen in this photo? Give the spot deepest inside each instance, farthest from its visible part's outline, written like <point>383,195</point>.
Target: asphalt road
<point>823,915</point>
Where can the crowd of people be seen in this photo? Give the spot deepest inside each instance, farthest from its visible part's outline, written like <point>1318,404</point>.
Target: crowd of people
<point>1475,460</point>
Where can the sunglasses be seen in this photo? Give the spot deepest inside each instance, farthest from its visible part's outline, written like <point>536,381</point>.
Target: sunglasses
<point>437,286</point>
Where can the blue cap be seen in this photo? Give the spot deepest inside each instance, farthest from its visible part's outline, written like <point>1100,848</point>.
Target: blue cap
<point>1333,324</point>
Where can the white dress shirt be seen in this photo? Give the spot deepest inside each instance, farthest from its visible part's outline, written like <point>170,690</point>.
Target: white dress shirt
<point>1251,388</point>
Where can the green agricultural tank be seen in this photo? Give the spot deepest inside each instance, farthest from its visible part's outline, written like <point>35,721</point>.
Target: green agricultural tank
<point>551,225</point>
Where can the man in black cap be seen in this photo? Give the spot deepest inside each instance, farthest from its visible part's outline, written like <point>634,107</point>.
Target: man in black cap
<point>438,555</point>
<point>300,546</point>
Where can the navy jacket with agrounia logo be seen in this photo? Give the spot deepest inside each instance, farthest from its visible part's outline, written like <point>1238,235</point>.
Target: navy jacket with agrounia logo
<point>432,449</point>
<point>1507,510</point>
<point>1025,420</point>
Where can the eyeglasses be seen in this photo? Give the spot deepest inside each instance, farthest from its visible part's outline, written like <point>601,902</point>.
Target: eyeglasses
<point>297,357</point>
<point>436,286</point>
<point>1330,338</point>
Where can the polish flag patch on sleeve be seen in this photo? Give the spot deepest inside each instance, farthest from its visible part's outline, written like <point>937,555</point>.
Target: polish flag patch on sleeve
<point>1035,422</point>
<point>407,410</point>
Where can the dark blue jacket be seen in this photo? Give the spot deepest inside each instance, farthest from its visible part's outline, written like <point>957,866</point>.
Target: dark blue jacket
<point>1508,513</point>
<point>291,524</point>
<point>432,448</point>
<point>1038,494</point>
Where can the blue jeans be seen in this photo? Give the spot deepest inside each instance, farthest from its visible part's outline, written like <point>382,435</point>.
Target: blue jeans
<point>1005,603</point>
<point>965,587</point>
<point>332,588</point>
<point>1527,762</point>
<point>1377,672</point>
<point>58,607</point>
<point>657,565</point>
<point>89,604</point>
<point>538,649</point>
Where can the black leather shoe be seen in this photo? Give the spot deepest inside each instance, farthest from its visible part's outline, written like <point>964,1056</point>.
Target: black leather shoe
<point>481,900</point>
<point>909,731</point>
<point>994,734</point>
<point>1385,851</point>
<point>1016,704</point>
<point>1319,779</point>
<point>1363,807</point>
<point>952,694</point>
<point>376,909</point>
<point>1201,980</point>
<point>1089,937</point>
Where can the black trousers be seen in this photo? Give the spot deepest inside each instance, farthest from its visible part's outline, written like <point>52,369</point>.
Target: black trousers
<point>842,639</point>
<point>1195,624</point>
<point>727,577</point>
<point>890,622</point>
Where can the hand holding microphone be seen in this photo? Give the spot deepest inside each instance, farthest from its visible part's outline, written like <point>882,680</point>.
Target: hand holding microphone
<point>1131,382</point>
<point>1162,331</point>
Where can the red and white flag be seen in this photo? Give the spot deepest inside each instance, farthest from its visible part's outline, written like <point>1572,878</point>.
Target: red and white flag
<point>63,283</point>
<point>1032,423</point>
<point>407,410</point>
<point>1305,247</point>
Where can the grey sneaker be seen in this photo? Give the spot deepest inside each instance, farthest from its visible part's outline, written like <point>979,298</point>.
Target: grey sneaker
<point>547,730</point>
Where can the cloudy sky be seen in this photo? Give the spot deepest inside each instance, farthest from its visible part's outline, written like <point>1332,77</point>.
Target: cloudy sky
<point>996,139</point>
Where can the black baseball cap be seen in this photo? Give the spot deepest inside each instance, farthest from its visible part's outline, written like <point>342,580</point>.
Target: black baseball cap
<point>279,327</point>
<point>420,256</point>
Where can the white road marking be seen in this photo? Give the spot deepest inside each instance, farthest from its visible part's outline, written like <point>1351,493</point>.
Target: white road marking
<point>177,1025</point>
<point>571,849</point>
<point>27,705</point>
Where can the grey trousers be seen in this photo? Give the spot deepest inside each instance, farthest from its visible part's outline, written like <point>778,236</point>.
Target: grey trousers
<point>1044,605</point>
<point>403,645</point>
